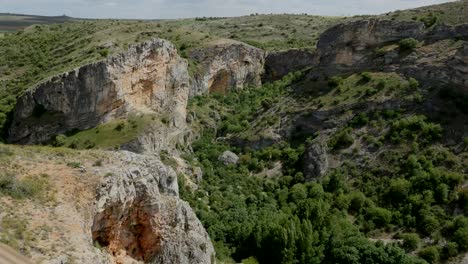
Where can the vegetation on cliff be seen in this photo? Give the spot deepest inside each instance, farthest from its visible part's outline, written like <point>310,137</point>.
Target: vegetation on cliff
<point>397,184</point>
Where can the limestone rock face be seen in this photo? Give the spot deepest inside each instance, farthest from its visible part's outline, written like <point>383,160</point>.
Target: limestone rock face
<point>139,217</point>
<point>315,159</point>
<point>442,58</point>
<point>149,77</point>
<point>227,66</point>
<point>447,67</point>
<point>278,64</point>
<point>347,44</point>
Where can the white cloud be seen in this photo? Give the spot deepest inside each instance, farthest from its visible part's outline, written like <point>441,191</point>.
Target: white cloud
<point>194,8</point>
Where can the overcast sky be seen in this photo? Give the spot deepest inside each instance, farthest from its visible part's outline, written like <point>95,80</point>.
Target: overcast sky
<point>197,8</point>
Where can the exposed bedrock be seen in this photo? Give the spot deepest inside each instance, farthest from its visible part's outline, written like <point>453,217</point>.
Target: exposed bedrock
<point>226,66</point>
<point>139,216</point>
<point>149,77</point>
<point>441,59</point>
<point>280,63</point>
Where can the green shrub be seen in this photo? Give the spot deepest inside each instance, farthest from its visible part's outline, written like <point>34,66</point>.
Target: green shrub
<point>429,20</point>
<point>430,254</point>
<point>413,83</point>
<point>250,260</point>
<point>74,165</point>
<point>461,237</point>
<point>60,140</point>
<point>398,191</point>
<point>119,126</point>
<point>335,81</point>
<point>366,77</point>
<point>450,250</point>
<point>379,216</point>
<point>104,53</point>
<point>410,241</point>
<point>463,198</point>
<point>21,189</point>
<point>341,140</point>
<point>359,120</point>
<point>408,44</point>
<point>414,128</point>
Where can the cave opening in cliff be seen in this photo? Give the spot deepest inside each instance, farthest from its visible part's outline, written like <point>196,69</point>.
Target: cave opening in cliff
<point>221,82</point>
<point>133,233</point>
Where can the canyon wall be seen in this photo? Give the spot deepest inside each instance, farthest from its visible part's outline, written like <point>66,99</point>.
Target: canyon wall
<point>440,58</point>
<point>226,66</point>
<point>150,77</point>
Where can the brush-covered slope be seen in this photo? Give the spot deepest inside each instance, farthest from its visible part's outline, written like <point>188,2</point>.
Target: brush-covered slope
<point>452,13</point>
<point>366,168</point>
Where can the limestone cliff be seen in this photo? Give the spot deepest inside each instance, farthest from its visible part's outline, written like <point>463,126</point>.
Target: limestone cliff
<point>225,66</point>
<point>150,77</point>
<point>441,57</point>
<point>116,207</point>
<point>280,63</point>
<point>140,217</point>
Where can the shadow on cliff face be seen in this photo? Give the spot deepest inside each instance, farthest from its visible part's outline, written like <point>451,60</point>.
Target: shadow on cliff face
<point>134,234</point>
<point>221,82</point>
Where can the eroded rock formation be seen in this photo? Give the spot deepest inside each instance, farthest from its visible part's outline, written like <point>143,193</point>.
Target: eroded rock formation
<point>150,77</point>
<point>226,66</point>
<point>316,159</point>
<point>140,217</point>
<point>373,45</point>
<point>278,64</point>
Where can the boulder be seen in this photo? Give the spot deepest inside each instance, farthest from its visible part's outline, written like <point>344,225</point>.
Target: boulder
<point>228,157</point>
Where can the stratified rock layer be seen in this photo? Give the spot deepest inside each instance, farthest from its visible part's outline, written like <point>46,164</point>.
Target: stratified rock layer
<point>150,77</point>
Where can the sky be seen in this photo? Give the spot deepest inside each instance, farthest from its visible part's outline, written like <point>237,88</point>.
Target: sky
<point>153,9</point>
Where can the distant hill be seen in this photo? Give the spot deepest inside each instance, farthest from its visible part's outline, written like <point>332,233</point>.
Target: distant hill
<point>12,22</point>
<point>449,13</point>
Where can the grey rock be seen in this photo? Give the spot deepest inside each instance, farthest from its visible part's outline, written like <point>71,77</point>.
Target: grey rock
<point>316,159</point>
<point>227,66</point>
<point>198,174</point>
<point>149,77</point>
<point>347,45</point>
<point>228,157</point>
<point>279,64</point>
<point>350,47</point>
<point>139,216</point>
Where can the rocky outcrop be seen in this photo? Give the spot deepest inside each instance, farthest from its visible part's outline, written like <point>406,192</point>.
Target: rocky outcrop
<point>139,216</point>
<point>226,66</point>
<point>348,44</point>
<point>149,77</point>
<point>228,158</point>
<point>370,45</point>
<point>315,159</point>
<point>278,64</point>
<point>443,63</point>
